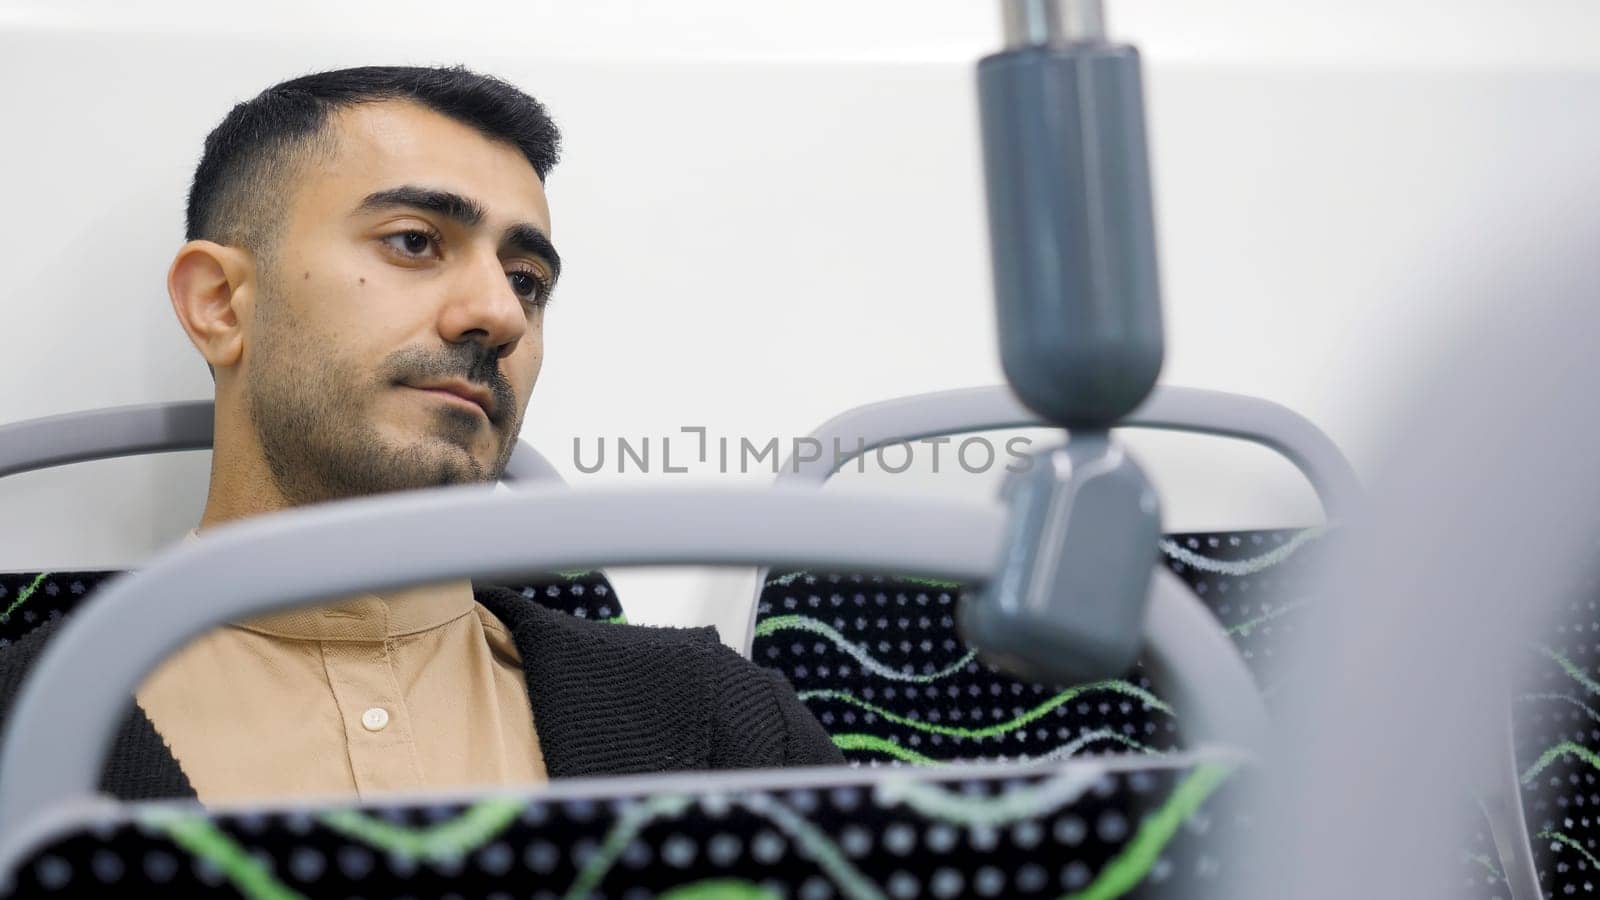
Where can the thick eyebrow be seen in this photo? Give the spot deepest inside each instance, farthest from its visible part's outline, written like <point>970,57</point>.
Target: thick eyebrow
<point>524,237</point>
<point>463,210</point>
<point>529,239</point>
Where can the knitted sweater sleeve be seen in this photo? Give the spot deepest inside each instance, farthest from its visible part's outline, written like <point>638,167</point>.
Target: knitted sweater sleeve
<point>806,743</point>
<point>760,722</point>
<point>139,766</point>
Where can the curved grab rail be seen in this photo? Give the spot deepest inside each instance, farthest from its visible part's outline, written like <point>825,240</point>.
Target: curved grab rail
<point>158,428</point>
<point>64,720</point>
<point>967,410</point>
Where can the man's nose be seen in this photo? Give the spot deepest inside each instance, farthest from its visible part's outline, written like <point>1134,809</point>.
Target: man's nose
<point>483,307</point>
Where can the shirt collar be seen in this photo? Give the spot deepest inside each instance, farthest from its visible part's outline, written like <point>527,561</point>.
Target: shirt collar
<point>367,616</point>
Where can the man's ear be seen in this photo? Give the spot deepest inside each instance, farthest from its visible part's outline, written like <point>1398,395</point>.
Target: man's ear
<point>213,289</point>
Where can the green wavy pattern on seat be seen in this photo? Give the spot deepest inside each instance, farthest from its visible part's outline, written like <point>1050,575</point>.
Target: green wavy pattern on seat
<point>930,582</point>
<point>791,577</point>
<point>1241,567</point>
<point>1013,805</point>
<point>1070,748</point>
<point>1572,669</point>
<point>871,743</point>
<point>624,830</point>
<point>466,832</point>
<point>1560,838</point>
<point>817,844</point>
<point>1565,698</point>
<point>473,828</point>
<point>821,848</point>
<point>1129,867</point>
<point>1118,686</point>
<point>1243,629</point>
<point>1562,750</point>
<point>856,651</point>
<point>22,596</point>
<point>204,840</point>
<point>1565,748</point>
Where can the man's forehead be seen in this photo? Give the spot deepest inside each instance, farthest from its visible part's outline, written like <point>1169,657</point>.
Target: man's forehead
<point>388,143</point>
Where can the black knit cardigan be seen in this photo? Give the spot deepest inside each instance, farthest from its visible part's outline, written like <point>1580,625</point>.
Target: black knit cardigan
<point>607,699</point>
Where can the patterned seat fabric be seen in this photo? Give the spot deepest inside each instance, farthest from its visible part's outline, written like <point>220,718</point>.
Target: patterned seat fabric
<point>880,663</point>
<point>30,599</point>
<point>1556,723</point>
<point>1478,868</point>
<point>885,835</point>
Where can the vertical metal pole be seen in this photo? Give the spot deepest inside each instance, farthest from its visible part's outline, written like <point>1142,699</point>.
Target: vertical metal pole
<point>1071,214</point>
<point>1051,23</point>
<point>1072,239</point>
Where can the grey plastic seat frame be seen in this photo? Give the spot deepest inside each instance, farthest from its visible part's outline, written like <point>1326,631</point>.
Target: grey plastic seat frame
<point>159,428</point>
<point>864,429</point>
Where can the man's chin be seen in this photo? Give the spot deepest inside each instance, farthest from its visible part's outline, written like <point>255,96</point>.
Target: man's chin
<point>451,465</point>
<point>415,467</point>
<point>439,452</point>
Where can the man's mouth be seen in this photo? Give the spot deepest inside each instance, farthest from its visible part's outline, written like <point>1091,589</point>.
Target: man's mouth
<point>462,393</point>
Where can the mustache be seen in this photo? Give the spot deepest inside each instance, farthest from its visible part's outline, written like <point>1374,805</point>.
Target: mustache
<point>471,361</point>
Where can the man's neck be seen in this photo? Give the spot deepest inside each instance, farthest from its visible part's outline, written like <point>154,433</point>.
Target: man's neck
<point>241,483</point>
<point>242,487</point>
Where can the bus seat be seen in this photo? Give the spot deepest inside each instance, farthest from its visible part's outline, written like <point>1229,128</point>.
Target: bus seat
<point>878,659</point>
<point>1087,830</point>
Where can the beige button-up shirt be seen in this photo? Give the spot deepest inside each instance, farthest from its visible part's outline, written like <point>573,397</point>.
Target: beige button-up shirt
<point>418,689</point>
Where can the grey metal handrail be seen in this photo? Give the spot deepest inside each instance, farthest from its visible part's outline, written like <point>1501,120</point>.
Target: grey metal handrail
<point>64,719</point>
<point>967,410</point>
<point>863,429</point>
<point>158,428</point>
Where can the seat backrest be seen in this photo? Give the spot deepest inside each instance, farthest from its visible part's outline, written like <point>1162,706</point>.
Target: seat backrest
<point>30,599</point>
<point>1555,718</point>
<point>1084,831</point>
<point>879,660</point>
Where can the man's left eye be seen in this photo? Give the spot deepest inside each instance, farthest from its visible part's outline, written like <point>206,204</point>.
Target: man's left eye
<point>528,285</point>
<point>411,243</point>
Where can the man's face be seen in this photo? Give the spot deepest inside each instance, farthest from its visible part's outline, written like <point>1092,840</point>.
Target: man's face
<point>411,266</point>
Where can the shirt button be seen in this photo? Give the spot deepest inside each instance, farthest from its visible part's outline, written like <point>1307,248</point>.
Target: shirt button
<point>375,718</point>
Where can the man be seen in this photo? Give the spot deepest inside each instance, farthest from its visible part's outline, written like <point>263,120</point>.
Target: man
<point>368,263</point>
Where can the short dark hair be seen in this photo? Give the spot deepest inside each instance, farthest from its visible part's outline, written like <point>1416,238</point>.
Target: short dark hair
<point>241,186</point>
